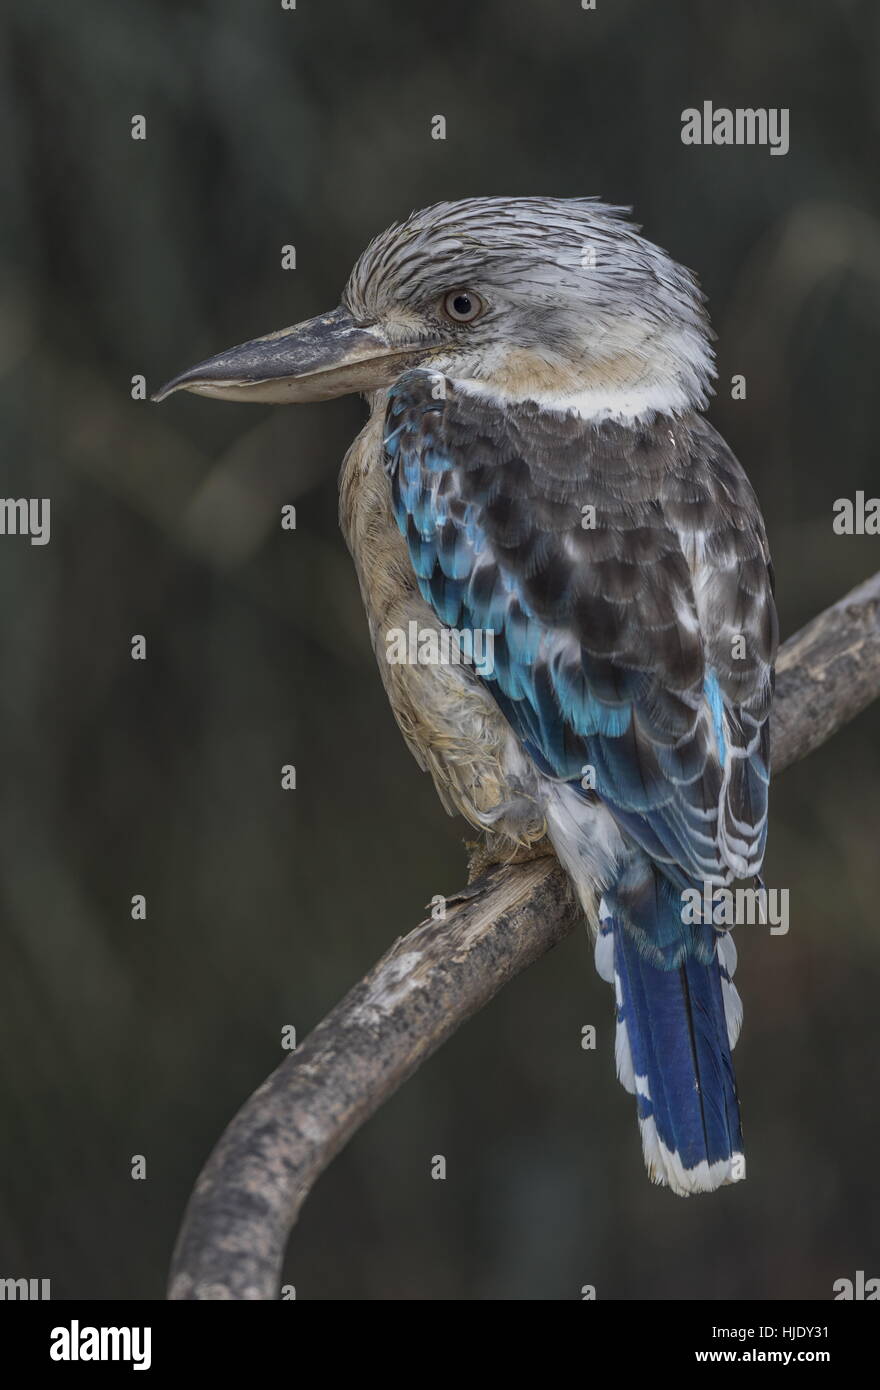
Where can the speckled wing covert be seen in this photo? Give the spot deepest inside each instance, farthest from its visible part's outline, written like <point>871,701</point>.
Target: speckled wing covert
<point>625,574</point>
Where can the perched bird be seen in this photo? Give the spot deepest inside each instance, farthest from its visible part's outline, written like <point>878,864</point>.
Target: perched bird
<point>536,468</point>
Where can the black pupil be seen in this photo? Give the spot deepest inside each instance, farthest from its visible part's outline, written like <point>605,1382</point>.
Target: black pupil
<point>462,304</point>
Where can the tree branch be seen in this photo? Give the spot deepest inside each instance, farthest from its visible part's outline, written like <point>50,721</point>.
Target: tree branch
<point>248,1196</point>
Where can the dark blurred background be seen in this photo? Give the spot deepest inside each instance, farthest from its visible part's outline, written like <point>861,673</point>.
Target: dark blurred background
<point>122,1037</point>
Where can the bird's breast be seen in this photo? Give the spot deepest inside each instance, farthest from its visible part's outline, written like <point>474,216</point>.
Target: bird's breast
<point>448,718</point>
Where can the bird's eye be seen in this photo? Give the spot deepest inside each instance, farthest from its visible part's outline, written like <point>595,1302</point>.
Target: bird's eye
<point>463,306</point>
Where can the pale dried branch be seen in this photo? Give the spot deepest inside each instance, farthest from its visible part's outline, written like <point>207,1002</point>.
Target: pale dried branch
<point>249,1194</point>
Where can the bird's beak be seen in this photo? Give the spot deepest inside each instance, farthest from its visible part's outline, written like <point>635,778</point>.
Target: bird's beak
<point>324,357</point>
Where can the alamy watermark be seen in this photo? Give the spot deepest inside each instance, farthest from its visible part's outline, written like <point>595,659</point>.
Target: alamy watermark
<point>26,516</point>
<point>859,1290</point>
<point>736,907</point>
<point>445,646</point>
<point>77,1343</point>
<point>25,1290</point>
<point>856,516</point>
<point>744,125</point>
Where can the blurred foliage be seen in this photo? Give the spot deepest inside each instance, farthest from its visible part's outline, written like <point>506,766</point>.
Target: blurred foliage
<point>267,126</point>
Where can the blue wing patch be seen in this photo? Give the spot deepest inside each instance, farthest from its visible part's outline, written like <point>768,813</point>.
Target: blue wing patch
<point>598,655</point>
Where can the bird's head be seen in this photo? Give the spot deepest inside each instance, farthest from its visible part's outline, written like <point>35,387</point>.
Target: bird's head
<point>548,299</point>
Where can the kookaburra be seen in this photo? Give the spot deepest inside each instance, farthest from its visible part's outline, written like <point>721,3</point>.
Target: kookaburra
<point>537,468</point>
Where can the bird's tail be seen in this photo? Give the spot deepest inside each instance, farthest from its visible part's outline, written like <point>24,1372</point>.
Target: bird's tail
<point>677,1020</point>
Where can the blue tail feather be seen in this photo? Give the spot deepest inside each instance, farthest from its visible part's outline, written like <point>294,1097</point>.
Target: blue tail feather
<point>674,1050</point>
